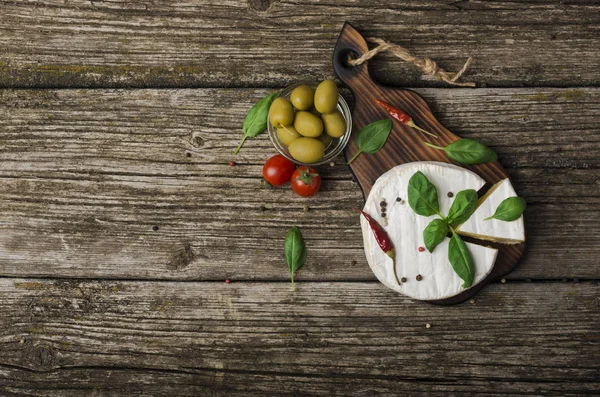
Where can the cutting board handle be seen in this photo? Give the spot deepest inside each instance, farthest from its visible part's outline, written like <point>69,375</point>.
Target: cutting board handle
<point>351,42</point>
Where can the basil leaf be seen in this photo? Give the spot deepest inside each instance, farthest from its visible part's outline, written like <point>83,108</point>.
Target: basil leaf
<point>462,207</point>
<point>509,210</point>
<point>467,151</point>
<point>256,119</point>
<point>422,195</point>
<point>461,260</point>
<point>372,137</point>
<point>435,233</point>
<point>295,252</point>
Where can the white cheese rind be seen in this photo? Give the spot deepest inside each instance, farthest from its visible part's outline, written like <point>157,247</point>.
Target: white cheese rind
<point>405,228</point>
<point>494,229</point>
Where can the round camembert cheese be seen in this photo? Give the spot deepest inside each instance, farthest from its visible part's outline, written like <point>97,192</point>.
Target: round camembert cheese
<point>437,277</point>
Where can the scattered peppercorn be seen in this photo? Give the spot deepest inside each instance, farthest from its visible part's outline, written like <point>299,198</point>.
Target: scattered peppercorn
<point>503,281</point>
<point>332,164</point>
<point>403,279</point>
<point>383,203</point>
<point>398,199</point>
<point>419,277</point>
<point>188,154</point>
<point>232,163</point>
<point>450,194</point>
<point>383,215</point>
<point>227,281</point>
<point>427,325</point>
<point>472,301</point>
<point>155,228</point>
<point>421,249</point>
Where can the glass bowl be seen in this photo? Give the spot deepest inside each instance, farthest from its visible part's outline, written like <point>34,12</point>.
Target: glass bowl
<point>336,146</point>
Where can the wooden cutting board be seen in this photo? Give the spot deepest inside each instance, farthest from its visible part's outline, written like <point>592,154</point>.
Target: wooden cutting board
<point>404,143</point>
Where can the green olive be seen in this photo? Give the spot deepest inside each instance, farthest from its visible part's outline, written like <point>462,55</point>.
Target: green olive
<point>307,150</point>
<point>326,139</point>
<point>334,123</point>
<point>281,112</point>
<point>307,124</point>
<point>288,134</point>
<point>326,97</point>
<point>302,97</point>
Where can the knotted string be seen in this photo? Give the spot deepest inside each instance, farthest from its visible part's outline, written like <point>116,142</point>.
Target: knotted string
<point>427,65</point>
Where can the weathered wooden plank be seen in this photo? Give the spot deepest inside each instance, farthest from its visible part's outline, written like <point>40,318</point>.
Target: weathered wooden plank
<point>85,175</point>
<point>57,43</point>
<point>326,338</point>
<point>210,230</point>
<point>132,131</point>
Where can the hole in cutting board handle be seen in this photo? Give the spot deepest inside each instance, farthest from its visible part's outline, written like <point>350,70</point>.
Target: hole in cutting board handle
<point>346,72</point>
<point>346,54</point>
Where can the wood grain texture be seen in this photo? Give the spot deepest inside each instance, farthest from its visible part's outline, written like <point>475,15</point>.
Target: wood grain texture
<point>86,174</point>
<point>110,338</point>
<point>76,43</point>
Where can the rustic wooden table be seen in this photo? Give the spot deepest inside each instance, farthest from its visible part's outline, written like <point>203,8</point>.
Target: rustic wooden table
<point>120,217</point>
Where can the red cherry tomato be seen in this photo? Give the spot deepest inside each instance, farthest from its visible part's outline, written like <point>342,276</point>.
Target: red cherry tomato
<point>306,181</point>
<point>278,170</point>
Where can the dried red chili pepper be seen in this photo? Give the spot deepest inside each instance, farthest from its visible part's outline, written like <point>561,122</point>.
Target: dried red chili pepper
<point>402,117</point>
<point>382,238</point>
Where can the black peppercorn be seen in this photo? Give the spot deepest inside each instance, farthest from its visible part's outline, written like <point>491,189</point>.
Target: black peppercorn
<point>419,277</point>
<point>398,199</point>
<point>403,279</point>
<point>450,194</point>
<point>383,203</point>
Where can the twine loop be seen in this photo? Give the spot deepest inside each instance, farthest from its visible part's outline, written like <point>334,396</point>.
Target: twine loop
<point>427,65</point>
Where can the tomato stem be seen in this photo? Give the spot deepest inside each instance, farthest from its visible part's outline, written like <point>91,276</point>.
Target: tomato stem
<point>240,145</point>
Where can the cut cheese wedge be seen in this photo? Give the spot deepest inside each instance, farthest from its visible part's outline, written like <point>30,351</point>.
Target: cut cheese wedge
<point>438,280</point>
<point>494,229</point>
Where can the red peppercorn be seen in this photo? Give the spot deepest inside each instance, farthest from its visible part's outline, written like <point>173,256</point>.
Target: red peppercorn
<point>421,249</point>
<point>227,281</point>
<point>232,163</point>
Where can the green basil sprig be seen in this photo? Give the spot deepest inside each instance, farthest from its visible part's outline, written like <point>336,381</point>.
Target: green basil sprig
<point>256,119</point>
<point>467,151</point>
<point>435,233</point>
<point>461,260</point>
<point>462,207</point>
<point>509,210</point>
<point>422,195</point>
<point>372,137</point>
<point>295,252</point>
<point>423,199</point>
